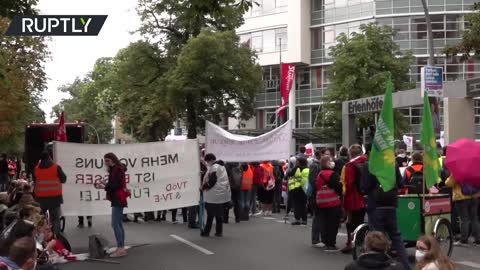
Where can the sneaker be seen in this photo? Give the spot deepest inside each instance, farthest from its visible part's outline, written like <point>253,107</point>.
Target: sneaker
<point>347,249</point>
<point>120,252</point>
<point>259,213</point>
<point>295,223</point>
<point>331,249</point>
<point>89,224</point>
<point>175,222</point>
<point>460,244</point>
<point>318,245</point>
<point>204,234</point>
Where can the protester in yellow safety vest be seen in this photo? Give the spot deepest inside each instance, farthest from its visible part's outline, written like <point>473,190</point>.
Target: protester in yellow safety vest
<point>246,191</point>
<point>49,178</point>
<point>297,185</point>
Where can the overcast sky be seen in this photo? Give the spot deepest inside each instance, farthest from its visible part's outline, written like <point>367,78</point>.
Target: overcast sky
<point>75,56</point>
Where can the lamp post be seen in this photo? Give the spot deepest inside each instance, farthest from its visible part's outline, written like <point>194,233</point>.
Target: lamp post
<point>94,129</point>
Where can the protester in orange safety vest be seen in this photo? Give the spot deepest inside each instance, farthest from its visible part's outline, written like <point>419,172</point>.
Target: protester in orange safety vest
<point>265,190</point>
<point>246,191</point>
<point>49,178</point>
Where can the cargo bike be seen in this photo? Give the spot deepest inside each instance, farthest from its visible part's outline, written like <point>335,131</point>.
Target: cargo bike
<point>434,218</point>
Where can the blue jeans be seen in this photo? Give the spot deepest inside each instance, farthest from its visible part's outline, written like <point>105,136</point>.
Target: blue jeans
<point>117,225</point>
<point>245,200</point>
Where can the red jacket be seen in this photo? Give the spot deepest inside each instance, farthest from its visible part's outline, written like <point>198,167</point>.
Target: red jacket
<point>353,199</point>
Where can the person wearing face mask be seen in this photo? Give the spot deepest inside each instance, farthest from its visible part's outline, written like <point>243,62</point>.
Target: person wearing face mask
<point>328,203</point>
<point>429,256</point>
<point>217,194</point>
<point>22,255</point>
<point>375,256</point>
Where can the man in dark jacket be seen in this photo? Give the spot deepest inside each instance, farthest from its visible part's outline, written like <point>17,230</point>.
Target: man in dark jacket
<point>382,210</point>
<point>375,256</point>
<point>3,172</point>
<point>48,196</point>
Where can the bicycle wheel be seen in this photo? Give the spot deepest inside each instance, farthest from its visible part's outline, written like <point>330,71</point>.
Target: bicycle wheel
<point>443,233</point>
<point>359,239</point>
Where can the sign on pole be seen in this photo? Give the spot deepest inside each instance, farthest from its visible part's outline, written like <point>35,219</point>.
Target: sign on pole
<point>432,81</point>
<point>408,140</point>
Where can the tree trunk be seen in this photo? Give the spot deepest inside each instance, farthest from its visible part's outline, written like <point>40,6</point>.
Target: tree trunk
<point>191,118</point>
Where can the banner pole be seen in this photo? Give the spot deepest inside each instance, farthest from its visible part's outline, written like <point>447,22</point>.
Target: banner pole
<point>292,114</point>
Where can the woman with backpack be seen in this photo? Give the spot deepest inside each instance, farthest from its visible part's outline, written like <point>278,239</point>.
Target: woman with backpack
<point>467,207</point>
<point>117,194</point>
<point>328,198</point>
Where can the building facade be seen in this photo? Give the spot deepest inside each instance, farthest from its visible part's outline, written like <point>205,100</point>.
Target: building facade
<point>303,31</point>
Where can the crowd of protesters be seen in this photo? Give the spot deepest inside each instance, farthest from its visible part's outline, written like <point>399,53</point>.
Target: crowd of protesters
<point>331,189</point>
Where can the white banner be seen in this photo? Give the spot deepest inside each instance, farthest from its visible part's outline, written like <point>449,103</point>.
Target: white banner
<point>408,140</point>
<point>160,175</point>
<point>229,147</point>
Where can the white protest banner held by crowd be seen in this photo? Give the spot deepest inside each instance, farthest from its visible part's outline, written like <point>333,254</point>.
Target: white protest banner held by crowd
<point>230,147</point>
<point>160,175</point>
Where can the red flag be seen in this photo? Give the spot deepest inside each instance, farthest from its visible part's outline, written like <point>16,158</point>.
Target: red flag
<point>288,76</point>
<point>62,131</point>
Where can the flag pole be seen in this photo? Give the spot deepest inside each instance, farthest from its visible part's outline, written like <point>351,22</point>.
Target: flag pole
<point>280,80</point>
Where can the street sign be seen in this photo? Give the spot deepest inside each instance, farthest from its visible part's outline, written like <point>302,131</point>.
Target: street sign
<point>432,81</point>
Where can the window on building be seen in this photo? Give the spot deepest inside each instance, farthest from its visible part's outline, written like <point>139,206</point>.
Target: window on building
<point>316,38</point>
<point>257,8</point>
<point>270,119</point>
<point>303,78</point>
<point>269,44</point>
<point>245,40</point>
<point>304,118</point>
<point>317,5</point>
<point>281,34</point>
<point>257,41</point>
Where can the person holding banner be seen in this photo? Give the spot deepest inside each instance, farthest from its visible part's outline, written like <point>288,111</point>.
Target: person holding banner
<point>117,194</point>
<point>217,194</point>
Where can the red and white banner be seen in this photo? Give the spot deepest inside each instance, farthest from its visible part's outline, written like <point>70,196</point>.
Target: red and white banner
<point>61,131</point>
<point>288,77</point>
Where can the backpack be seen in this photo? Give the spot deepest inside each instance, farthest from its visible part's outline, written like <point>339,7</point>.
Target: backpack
<point>96,246</point>
<point>416,180</point>
<point>470,189</point>
<point>360,176</point>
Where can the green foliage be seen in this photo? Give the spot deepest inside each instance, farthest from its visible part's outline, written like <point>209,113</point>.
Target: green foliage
<point>361,65</point>
<point>214,77</point>
<point>10,8</point>
<point>470,39</point>
<point>135,91</point>
<point>82,106</point>
<point>22,80</point>
<point>176,21</point>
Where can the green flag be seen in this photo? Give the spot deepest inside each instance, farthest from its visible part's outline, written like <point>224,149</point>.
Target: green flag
<point>382,157</point>
<point>430,157</point>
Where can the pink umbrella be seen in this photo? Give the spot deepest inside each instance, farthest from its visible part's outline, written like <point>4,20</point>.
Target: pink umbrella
<point>463,161</point>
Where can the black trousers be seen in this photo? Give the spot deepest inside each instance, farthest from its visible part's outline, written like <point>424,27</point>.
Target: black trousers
<point>329,220</point>
<point>277,197</point>
<point>236,207</point>
<point>299,203</point>
<point>214,210</point>
<point>184,214</point>
<point>80,219</point>
<point>357,218</point>
<point>192,215</point>
<point>385,220</point>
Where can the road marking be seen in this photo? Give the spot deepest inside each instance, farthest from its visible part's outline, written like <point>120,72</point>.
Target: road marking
<point>193,245</point>
<point>269,218</point>
<point>468,263</point>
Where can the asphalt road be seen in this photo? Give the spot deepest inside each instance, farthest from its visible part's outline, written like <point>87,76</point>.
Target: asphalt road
<point>261,243</point>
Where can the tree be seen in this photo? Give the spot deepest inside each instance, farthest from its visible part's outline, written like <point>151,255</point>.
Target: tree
<point>470,39</point>
<point>177,21</point>
<point>360,68</point>
<point>82,104</point>
<point>214,76</point>
<point>22,77</point>
<point>135,91</point>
